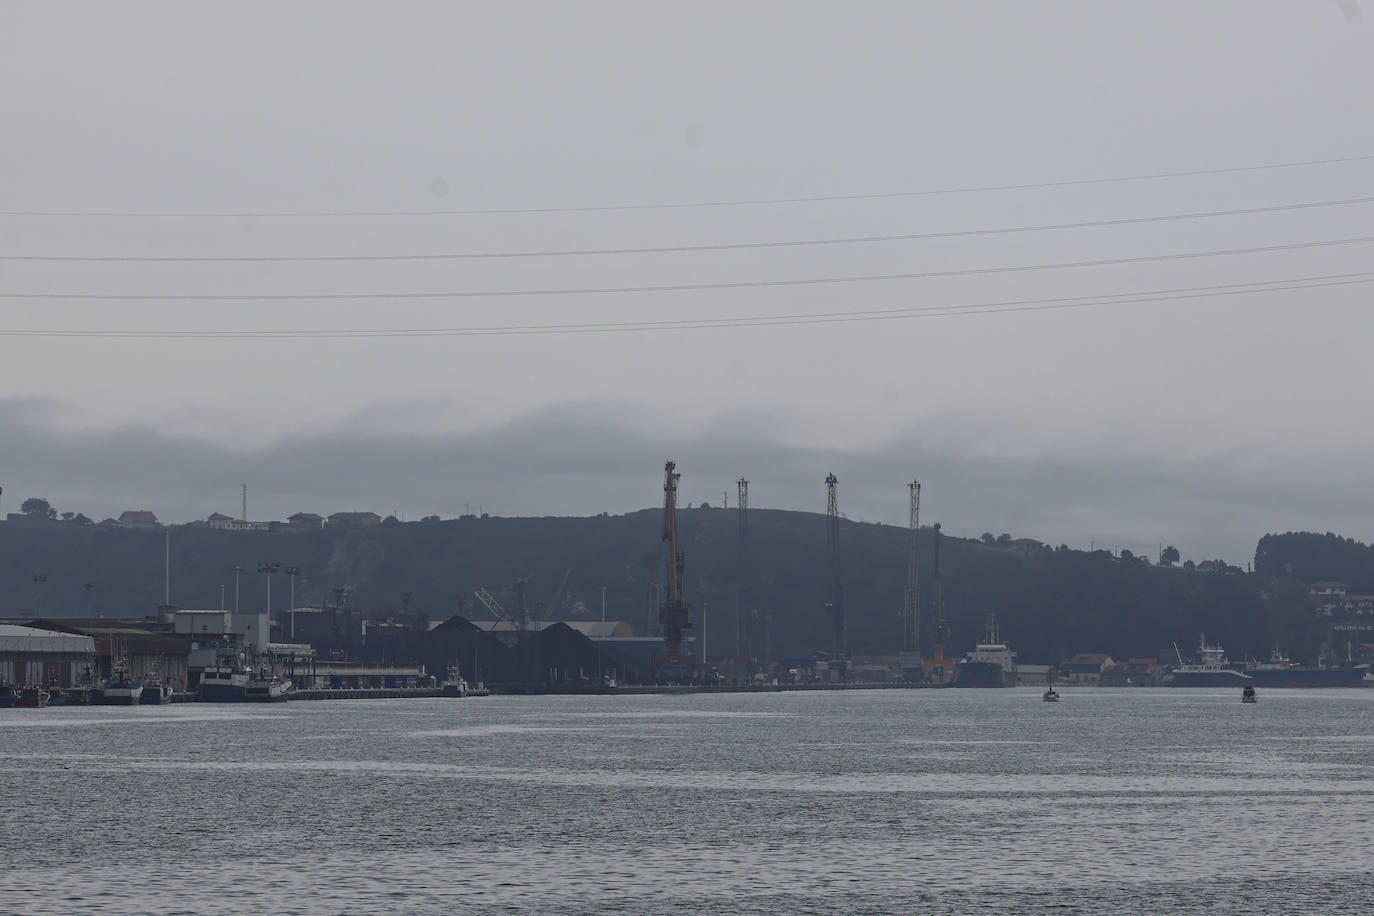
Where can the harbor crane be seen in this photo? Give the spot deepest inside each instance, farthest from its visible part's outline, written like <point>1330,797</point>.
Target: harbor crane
<point>937,669</point>
<point>675,614</point>
<point>832,541</point>
<point>497,611</point>
<point>911,616</point>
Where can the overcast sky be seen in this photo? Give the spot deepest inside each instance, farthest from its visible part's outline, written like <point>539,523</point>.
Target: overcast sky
<point>265,130</point>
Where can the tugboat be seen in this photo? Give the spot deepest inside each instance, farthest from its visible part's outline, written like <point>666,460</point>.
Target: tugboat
<point>453,685</point>
<point>1247,693</point>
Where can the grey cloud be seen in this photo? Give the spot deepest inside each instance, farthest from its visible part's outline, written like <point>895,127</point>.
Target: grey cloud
<point>584,458</point>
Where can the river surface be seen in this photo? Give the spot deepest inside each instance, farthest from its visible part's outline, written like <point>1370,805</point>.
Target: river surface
<point>883,801</point>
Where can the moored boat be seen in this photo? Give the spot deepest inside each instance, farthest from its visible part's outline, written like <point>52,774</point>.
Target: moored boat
<point>1210,670</point>
<point>120,689</point>
<point>155,695</point>
<point>1282,671</point>
<point>31,698</point>
<point>224,683</point>
<point>992,663</point>
<point>453,685</point>
<point>267,689</point>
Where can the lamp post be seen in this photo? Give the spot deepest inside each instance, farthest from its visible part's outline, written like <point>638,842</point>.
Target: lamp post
<point>237,570</point>
<point>38,580</point>
<point>293,572</point>
<point>88,586</point>
<point>269,568</point>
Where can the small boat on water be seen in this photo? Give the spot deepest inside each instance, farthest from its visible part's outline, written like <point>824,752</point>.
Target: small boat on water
<point>31,698</point>
<point>1247,694</point>
<point>1050,696</point>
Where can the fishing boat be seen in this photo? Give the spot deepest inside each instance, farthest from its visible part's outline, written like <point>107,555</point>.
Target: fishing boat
<point>1247,694</point>
<point>155,695</point>
<point>263,688</point>
<point>120,688</point>
<point>224,681</point>
<point>31,698</point>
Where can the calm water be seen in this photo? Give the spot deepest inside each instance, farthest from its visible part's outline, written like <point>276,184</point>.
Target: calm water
<point>858,802</point>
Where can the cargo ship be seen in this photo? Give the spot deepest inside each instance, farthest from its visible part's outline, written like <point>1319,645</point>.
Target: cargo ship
<point>992,663</point>
<point>1210,670</point>
<point>1282,671</point>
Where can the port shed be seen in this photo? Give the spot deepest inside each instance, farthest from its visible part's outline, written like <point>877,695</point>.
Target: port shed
<point>30,656</point>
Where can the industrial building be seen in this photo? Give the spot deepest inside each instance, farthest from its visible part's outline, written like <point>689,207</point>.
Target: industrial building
<point>42,658</point>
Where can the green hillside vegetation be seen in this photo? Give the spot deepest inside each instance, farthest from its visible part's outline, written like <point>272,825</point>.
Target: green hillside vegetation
<point>1050,603</point>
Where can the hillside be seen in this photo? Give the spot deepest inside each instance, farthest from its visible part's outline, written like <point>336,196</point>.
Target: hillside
<point>1051,603</point>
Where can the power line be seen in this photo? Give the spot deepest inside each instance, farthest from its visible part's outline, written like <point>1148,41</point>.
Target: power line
<point>685,287</point>
<point>678,249</point>
<point>940,311</point>
<point>766,201</point>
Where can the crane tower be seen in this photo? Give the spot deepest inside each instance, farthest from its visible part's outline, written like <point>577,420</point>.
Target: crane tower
<point>832,541</point>
<point>743,640</point>
<point>911,617</point>
<point>936,668</point>
<point>675,614</point>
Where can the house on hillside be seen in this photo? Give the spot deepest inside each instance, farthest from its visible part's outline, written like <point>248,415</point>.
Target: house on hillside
<point>305,520</point>
<point>1026,545</point>
<point>222,522</point>
<point>138,518</point>
<point>355,519</point>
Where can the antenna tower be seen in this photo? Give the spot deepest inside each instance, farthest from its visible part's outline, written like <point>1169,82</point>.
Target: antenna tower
<point>911,618</point>
<point>832,543</point>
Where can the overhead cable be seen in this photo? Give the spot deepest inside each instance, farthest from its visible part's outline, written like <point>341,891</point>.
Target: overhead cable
<point>683,287</point>
<point>987,308</point>
<point>670,205</point>
<point>679,249</point>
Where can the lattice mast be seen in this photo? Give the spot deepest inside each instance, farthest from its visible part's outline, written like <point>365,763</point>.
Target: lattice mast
<point>911,617</point>
<point>675,615</point>
<point>743,641</point>
<point>832,549</point>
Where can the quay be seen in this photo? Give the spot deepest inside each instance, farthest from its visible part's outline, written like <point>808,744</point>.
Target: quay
<point>364,693</point>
